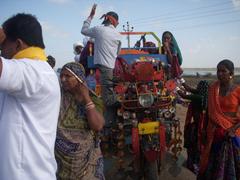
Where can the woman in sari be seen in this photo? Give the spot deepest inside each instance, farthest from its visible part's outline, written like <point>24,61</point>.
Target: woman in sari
<point>171,49</point>
<point>195,122</point>
<point>220,159</point>
<point>77,148</point>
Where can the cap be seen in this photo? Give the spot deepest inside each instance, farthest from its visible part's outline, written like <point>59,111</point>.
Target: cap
<point>77,44</point>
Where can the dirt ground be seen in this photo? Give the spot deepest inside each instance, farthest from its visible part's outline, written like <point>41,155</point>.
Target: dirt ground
<point>175,170</point>
<point>170,169</point>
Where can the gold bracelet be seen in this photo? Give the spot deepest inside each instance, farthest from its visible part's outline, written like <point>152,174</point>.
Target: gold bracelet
<point>88,103</point>
<point>89,107</point>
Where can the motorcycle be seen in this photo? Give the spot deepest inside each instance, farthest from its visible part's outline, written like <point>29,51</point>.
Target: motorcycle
<point>146,125</point>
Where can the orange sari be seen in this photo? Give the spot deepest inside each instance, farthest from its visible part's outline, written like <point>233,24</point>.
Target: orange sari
<point>216,118</point>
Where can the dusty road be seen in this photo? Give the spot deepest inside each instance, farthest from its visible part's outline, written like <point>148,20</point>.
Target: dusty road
<point>176,171</point>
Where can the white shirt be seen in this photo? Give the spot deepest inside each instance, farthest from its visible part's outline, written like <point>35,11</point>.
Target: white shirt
<point>107,43</point>
<point>29,109</point>
<point>77,58</point>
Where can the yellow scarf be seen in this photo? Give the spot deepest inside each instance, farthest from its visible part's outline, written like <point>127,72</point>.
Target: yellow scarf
<point>31,53</point>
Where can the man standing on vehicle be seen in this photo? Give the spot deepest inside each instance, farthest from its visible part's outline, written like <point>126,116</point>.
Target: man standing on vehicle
<point>106,48</point>
<point>29,102</point>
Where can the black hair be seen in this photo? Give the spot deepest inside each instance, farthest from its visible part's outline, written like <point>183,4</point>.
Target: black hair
<point>25,27</point>
<point>51,60</point>
<point>167,32</point>
<point>228,64</point>
<point>113,14</point>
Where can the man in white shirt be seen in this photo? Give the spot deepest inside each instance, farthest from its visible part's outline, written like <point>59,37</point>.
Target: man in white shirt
<point>107,45</point>
<point>29,102</point>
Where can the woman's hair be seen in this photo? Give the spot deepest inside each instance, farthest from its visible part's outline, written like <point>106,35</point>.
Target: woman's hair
<point>228,64</point>
<point>167,32</point>
<point>77,69</point>
<point>25,27</point>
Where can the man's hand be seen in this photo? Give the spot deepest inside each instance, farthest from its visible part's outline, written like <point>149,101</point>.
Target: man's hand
<point>93,11</point>
<point>2,36</point>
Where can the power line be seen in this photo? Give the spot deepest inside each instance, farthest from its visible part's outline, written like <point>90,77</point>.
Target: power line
<point>177,12</point>
<point>191,15</point>
<point>186,18</point>
<point>205,25</point>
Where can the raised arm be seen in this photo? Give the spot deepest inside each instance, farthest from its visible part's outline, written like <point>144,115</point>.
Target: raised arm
<point>92,13</point>
<point>86,30</point>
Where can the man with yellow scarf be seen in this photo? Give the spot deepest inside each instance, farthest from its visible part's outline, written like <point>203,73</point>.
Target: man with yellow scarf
<point>29,102</point>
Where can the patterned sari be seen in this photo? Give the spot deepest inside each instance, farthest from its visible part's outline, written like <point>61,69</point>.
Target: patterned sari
<point>77,148</point>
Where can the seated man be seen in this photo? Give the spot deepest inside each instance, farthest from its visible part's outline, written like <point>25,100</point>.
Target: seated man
<point>150,47</point>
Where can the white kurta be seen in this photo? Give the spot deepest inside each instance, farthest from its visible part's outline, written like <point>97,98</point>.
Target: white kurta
<point>29,109</point>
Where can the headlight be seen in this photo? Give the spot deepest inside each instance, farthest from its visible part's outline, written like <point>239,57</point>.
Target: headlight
<point>167,114</point>
<point>146,100</point>
<point>126,115</point>
<point>119,112</point>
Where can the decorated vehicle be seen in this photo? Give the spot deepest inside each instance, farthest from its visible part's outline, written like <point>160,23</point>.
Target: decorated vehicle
<point>146,124</point>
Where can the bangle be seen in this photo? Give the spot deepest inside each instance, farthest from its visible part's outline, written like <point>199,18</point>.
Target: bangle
<point>89,106</point>
<point>88,103</point>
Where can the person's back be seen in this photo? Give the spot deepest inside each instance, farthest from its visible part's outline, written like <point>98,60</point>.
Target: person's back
<point>28,122</point>
<point>29,108</point>
<point>107,40</point>
<point>106,45</point>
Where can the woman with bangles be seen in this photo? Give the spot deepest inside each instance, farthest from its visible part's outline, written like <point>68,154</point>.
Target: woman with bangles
<point>220,159</point>
<point>77,148</point>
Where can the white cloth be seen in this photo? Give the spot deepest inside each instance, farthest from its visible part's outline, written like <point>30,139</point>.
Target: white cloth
<point>107,43</point>
<point>29,109</point>
<point>77,58</point>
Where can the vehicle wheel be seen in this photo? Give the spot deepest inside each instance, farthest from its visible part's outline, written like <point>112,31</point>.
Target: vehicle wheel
<point>151,170</point>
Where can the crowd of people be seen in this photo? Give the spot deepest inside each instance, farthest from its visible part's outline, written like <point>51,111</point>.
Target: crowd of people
<point>49,127</point>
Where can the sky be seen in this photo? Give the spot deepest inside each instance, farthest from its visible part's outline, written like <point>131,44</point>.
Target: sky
<point>207,31</point>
